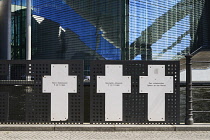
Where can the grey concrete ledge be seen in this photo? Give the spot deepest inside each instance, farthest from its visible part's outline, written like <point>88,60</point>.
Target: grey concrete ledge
<point>25,127</point>
<point>90,127</point>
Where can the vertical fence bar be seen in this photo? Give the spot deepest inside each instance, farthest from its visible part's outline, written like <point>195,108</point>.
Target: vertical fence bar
<point>189,114</point>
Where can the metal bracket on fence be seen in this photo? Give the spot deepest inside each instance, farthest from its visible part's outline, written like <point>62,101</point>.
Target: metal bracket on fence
<point>189,110</point>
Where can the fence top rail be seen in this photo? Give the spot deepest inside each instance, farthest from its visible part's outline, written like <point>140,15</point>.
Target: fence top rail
<point>35,61</point>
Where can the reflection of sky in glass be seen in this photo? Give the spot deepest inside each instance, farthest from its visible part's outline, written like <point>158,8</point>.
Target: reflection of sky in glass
<point>144,13</point>
<point>170,54</point>
<point>58,11</point>
<point>19,2</point>
<point>170,37</point>
<point>18,5</point>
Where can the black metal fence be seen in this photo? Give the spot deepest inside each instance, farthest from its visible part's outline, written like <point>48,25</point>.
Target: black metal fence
<point>134,104</point>
<point>21,97</point>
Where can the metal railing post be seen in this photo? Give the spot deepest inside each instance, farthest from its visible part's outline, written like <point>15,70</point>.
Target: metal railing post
<point>189,110</point>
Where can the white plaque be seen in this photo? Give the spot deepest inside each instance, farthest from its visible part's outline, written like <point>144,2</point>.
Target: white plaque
<point>59,84</point>
<point>113,84</point>
<point>156,84</point>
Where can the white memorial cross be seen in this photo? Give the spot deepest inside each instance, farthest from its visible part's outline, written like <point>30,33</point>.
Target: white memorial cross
<point>156,84</point>
<point>113,84</point>
<point>59,84</point>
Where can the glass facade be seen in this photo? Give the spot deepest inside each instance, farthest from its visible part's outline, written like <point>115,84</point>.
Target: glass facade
<point>111,29</point>
<point>82,29</point>
<point>18,29</point>
<point>163,29</point>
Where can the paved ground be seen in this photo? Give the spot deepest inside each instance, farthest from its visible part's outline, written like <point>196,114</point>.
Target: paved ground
<point>88,135</point>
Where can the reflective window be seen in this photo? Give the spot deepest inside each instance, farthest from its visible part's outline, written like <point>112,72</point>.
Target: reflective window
<point>111,29</point>
<point>81,29</point>
<point>163,29</point>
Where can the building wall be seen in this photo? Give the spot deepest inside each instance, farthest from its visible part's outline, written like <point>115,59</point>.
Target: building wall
<point>5,29</point>
<point>129,29</point>
<point>165,29</point>
<point>81,29</point>
<point>18,34</point>
<point>111,29</point>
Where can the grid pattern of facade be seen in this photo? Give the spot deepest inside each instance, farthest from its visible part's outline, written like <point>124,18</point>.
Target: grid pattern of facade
<point>18,29</point>
<point>164,29</point>
<point>111,29</point>
<point>82,29</point>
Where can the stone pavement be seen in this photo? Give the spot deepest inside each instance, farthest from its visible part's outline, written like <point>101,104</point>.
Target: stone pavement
<point>97,135</point>
<point>103,127</point>
<point>104,132</point>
